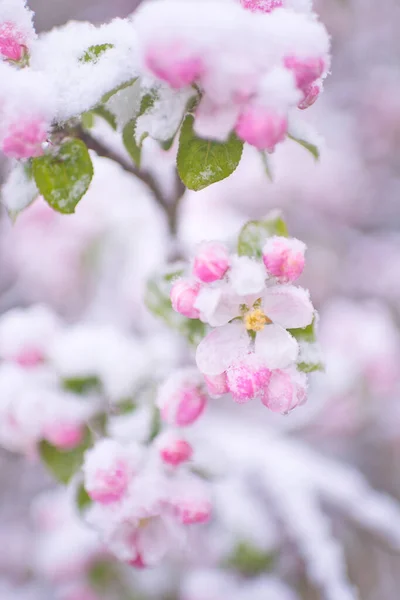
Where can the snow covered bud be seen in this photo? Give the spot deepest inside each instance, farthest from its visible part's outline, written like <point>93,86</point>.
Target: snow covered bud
<point>261,127</point>
<point>174,63</point>
<point>192,502</point>
<point>12,42</point>
<point>306,71</point>
<point>284,258</point>
<point>107,469</point>
<point>286,390</point>
<point>64,436</point>
<point>311,94</point>
<point>183,296</point>
<point>217,385</point>
<point>173,449</point>
<point>181,398</point>
<point>265,6</point>
<point>247,378</point>
<point>25,139</point>
<point>211,261</point>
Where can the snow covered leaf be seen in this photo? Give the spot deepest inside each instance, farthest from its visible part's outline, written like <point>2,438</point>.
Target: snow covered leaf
<point>312,148</point>
<point>254,233</point>
<point>131,144</point>
<point>93,53</point>
<point>19,189</point>
<point>64,178</point>
<point>310,354</point>
<point>203,162</point>
<point>107,115</point>
<point>63,464</point>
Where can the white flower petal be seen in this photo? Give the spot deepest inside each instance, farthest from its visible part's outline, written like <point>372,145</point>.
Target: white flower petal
<point>221,347</point>
<point>218,305</point>
<point>247,276</point>
<point>288,306</point>
<point>276,347</point>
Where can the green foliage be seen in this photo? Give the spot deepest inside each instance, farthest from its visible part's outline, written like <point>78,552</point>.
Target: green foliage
<point>82,385</point>
<point>129,132</point>
<point>249,560</point>
<point>93,53</point>
<point>202,162</point>
<point>309,350</point>
<point>123,86</point>
<point>63,178</point>
<point>312,148</point>
<point>63,464</point>
<point>82,498</point>
<point>254,234</point>
<point>265,161</point>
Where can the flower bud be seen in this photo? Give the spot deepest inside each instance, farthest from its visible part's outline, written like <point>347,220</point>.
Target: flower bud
<point>265,6</point>
<point>217,385</point>
<point>175,64</point>
<point>192,502</point>
<point>284,258</point>
<point>107,471</point>
<point>286,390</point>
<point>65,436</point>
<point>211,261</point>
<point>173,449</point>
<point>12,42</point>
<point>305,70</point>
<point>183,296</point>
<point>181,399</point>
<point>247,378</point>
<point>25,139</point>
<point>311,94</point>
<point>261,127</point>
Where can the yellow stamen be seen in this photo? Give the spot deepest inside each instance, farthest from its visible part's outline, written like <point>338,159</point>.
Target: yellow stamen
<point>256,320</point>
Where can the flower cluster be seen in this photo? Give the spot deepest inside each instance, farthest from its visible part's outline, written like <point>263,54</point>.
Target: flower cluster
<point>251,69</point>
<point>250,305</point>
<point>16,30</point>
<point>142,499</point>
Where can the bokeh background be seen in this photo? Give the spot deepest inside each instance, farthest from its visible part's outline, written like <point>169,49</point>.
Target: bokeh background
<point>346,208</point>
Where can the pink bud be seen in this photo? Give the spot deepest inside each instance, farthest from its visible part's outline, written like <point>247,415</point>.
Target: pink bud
<point>261,127</point>
<point>181,399</point>
<point>192,502</point>
<point>311,94</point>
<point>137,562</point>
<point>25,139</point>
<point>183,296</point>
<point>284,258</point>
<point>64,435</point>
<point>12,42</point>
<point>306,70</point>
<point>217,385</point>
<point>176,64</point>
<point>107,472</point>
<point>247,378</point>
<point>211,261</point>
<point>286,390</point>
<point>173,449</point>
<point>29,357</point>
<point>265,6</point>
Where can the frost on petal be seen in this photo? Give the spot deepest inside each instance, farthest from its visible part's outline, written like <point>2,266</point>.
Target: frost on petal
<point>247,276</point>
<point>218,305</point>
<point>276,347</point>
<point>288,306</point>
<point>286,390</point>
<point>220,348</point>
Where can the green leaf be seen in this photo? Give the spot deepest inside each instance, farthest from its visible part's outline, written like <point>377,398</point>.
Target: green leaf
<point>82,498</point>
<point>312,148</point>
<point>254,234</point>
<point>63,464</point>
<point>155,427</point>
<point>93,53</point>
<point>309,356</point>
<point>203,162</point>
<point>82,385</point>
<point>306,334</point>
<point>265,160</point>
<point>129,132</point>
<point>249,560</point>
<point>123,86</point>
<point>104,113</point>
<point>64,178</point>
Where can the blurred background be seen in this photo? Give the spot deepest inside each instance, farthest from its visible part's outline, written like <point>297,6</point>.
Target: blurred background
<point>346,208</point>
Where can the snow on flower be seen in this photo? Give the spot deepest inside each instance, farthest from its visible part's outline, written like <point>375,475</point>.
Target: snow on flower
<point>16,29</point>
<point>182,398</point>
<point>284,258</point>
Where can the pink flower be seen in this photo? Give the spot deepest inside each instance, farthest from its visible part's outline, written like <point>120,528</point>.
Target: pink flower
<point>12,42</point>
<point>311,94</point>
<point>247,378</point>
<point>217,385</point>
<point>173,449</point>
<point>175,63</point>
<point>306,70</point>
<point>191,502</point>
<point>181,399</point>
<point>261,127</point>
<point>29,357</point>
<point>183,296</point>
<point>286,390</point>
<point>108,468</point>
<point>25,139</point>
<point>211,261</point>
<point>265,6</point>
<point>284,258</point>
<point>64,435</point>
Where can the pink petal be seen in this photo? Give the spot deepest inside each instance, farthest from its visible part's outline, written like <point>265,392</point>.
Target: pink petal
<point>276,347</point>
<point>288,306</point>
<point>220,348</point>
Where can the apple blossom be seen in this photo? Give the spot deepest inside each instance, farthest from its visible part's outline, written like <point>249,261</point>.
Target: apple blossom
<point>217,385</point>
<point>286,389</point>
<point>183,295</point>
<point>261,127</point>
<point>284,258</point>
<point>261,5</point>
<point>211,261</point>
<point>182,398</point>
<point>311,94</point>
<point>25,139</point>
<point>173,449</point>
<point>247,378</point>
